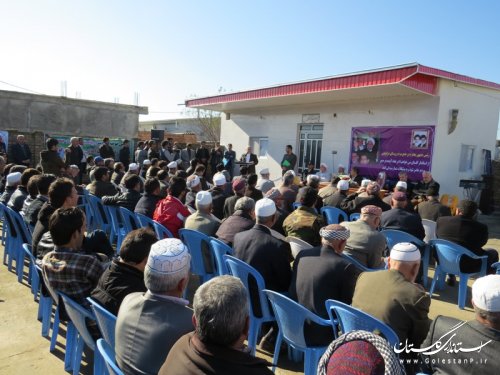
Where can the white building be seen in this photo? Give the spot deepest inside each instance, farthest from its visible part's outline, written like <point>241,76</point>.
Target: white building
<point>458,116</point>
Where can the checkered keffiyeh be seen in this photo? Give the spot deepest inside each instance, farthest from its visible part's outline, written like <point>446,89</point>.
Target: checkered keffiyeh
<point>329,234</point>
<point>391,361</point>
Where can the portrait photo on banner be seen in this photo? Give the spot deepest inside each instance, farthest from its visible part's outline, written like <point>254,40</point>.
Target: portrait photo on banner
<point>365,148</point>
<point>419,139</point>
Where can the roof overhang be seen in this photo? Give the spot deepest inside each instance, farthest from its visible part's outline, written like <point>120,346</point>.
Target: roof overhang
<point>400,81</point>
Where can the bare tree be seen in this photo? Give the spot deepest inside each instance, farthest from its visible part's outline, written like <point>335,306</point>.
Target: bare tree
<point>208,121</point>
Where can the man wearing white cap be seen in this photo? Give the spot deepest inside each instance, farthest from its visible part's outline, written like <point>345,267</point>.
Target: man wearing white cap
<point>13,179</point>
<point>483,330</point>
<point>193,184</point>
<point>336,198</point>
<point>202,220</point>
<point>268,255</point>
<point>150,323</point>
<point>172,168</point>
<point>393,296</point>
<point>264,184</point>
<point>402,187</point>
<point>366,244</point>
<point>218,195</point>
<point>133,168</point>
<point>321,273</point>
<point>323,173</point>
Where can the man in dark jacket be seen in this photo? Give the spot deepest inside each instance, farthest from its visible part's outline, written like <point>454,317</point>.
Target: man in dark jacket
<point>20,152</point>
<point>124,155</point>
<point>218,196</point>
<point>322,273</point>
<point>399,219</point>
<point>125,274</point>
<point>49,159</point>
<point>19,196</point>
<point>464,230</point>
<point>354,202</point>
<point>289,160</point>
<point>203,154</point>
<point>249,157</point>
<point>432,209</point>
<point>338,197</point>
<point>131,196</point>
<point>101,186</point>
<point>74,153</point>
<point>147,203</point>
<point>239,187</point>
<point>268,255</point>
<point>105,150</point>
<point>240,221</point>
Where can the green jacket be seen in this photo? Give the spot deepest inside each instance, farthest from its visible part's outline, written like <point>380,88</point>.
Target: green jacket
<point>304,223</point>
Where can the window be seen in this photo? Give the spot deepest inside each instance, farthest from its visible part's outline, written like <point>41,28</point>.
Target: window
<point>466,158</point>
<point>260,146</point>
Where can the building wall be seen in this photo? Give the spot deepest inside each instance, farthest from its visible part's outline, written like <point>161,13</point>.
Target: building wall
<point>477,125</point>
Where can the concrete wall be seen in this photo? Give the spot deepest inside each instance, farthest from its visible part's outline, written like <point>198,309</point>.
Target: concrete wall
<point>58,115</point>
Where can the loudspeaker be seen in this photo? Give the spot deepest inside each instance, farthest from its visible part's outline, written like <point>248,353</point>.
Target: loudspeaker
<point>157,135</point>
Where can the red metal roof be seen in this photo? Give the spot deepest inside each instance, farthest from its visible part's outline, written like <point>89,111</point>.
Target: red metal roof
<point>415,76</point>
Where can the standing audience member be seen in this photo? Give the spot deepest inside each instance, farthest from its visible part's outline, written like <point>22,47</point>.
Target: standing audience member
<point>229,159</point>
<point>148,202</point>
<point>67,268</point>
<point>124,155</point>
<point>171,211</point>
<point>216,347</point>
<point>304,222</point>
<point>249,157</point>
<point>150,323</point>
<point>366,244</point>
<point>203,154</point>
<point>105,150</point>
<point>50,160</point>
<point>125,274</point>
<point>289,160</point>
<point>129,198</point>
<point>20,151</point>
<point>322,273</point>
<point>187,154</point>
<point>202,220</point>
<point>73,153</point>
<point>241,220</point>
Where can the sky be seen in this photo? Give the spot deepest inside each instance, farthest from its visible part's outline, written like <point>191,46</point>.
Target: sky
<point>168,51</point>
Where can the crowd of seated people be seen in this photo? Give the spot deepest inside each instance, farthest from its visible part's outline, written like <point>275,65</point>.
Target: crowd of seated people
<point>143,283</point>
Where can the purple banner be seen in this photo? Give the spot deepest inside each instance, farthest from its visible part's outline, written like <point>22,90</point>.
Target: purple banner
<point>392,149</point>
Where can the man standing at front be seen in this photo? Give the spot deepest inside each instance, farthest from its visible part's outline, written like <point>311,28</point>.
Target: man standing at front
<point>149,324</point>
<point>21,153</point>
<point>250,158</point>
<point>289,160</point>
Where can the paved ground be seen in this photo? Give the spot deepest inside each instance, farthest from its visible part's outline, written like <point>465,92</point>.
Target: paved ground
<point>24,351</point>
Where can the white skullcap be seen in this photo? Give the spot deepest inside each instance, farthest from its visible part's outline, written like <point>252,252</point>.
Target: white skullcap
<point>172,165</point>
<point>13,178</point>
<point>74,166</point>
<point>402,184</point>
<point>405,252</point>
<point>486,293</point>
<point>133,167</point>
<point>146,162</point>
<point>265,207</point>
<point>193,181</point>
<point>264,171</point>
<point>203,198</point>
<point>365,182</point>
<point>343,185</point>
<point>323,165</point>
<point>219,179</point>
<point>168,256</point>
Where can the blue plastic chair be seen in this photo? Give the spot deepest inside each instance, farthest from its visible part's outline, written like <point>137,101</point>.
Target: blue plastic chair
<point>448,257</point>
<point>396,236</point>
<point>78,314</point>
<point>100,216</point>
<point>106,322</point>
<point>258,315</point>
<point>108,354</point>
<point>497,267</point>
<point>33,275</point>
<point>333,215</point>
<point>296,205</point>
<point>130,221</point>
<point>358,264</point>
<point>4,233</point>
<point>22,235</point>
<point>160,230</point>
<point>351,319</point>
<point>354,216</point>
<point>193,240</point>
<point>291,318</point>
<point>219,249</point>
<point>117,221</point>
